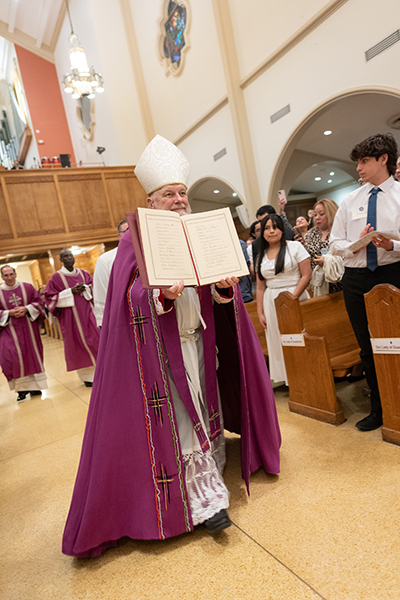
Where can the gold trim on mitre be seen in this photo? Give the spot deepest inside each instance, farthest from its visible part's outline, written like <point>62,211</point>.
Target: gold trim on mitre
<point>160,164</point>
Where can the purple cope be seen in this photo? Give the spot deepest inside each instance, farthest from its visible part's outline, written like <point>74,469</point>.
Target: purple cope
<point>130,480</point>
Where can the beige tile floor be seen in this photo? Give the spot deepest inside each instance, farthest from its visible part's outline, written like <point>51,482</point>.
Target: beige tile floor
<point>327,527</point>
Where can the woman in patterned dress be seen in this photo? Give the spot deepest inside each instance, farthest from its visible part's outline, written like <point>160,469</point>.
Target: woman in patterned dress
<point>316,241</point>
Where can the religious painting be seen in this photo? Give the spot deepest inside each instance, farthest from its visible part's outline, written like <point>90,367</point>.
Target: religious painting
<point>174,38</point>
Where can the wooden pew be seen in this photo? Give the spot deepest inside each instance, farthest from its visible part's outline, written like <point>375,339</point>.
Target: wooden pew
<point>383,312</point>
<point>251,308</point>
<point>330,345</point>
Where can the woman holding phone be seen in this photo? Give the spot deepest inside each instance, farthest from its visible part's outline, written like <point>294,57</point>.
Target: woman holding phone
<point>316,240</point>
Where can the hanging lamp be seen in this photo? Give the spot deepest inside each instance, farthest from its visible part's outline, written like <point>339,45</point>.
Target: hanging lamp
<point>81,81</point>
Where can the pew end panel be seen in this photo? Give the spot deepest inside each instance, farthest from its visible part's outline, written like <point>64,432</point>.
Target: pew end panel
<point>383,311</point>
<point>309,369</point>
<point>312,390</point>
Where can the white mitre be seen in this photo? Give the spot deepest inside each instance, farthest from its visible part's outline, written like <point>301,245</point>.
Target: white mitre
<point>161,163</point>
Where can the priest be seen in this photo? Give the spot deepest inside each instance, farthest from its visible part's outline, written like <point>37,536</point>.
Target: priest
<point>176,366</point>
<point>21,351</point>
<point>68,297</point>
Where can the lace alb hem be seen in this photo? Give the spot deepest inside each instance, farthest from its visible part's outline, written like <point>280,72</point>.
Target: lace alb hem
<point>206,489</point>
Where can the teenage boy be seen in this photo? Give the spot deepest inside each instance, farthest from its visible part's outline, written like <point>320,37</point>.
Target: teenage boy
<point>374,206</point>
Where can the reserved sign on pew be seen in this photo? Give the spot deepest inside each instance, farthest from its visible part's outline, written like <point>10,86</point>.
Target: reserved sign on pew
<point>292,339</point>
<point>385,345</point>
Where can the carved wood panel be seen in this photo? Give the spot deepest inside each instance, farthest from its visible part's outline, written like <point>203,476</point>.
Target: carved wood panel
<point>5,225</point>
<point>85,203</point>
<point>126,194</point>
<point>40,210</point>
<point>35,208</point>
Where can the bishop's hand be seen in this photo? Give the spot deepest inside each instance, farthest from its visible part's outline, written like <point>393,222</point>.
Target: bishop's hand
<point>174,291</point>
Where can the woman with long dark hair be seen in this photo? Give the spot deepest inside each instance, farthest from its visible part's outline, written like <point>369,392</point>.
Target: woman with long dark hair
<point>282,266</point>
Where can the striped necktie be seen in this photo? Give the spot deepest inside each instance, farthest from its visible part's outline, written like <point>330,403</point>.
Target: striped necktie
<point>372,251</point>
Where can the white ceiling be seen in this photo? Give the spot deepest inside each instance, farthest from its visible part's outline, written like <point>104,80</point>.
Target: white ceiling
<point>306,182</point>
<point>203,195</point>
<point>33,24</point>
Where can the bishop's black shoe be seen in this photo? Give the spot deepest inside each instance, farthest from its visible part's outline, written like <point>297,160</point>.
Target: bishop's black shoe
<point>22,396</point>
<point>36,393</point>
<point>373,421</point>
<point>88,383</point>
<point>218,522</point>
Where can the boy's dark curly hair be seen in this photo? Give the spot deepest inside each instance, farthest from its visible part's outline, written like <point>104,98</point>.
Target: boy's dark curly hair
<point>375,146</point>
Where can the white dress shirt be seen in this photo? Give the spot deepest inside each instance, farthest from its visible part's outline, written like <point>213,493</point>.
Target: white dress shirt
<point>351,219</point>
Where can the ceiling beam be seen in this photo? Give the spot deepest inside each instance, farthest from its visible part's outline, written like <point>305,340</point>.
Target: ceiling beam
<point>26,41</point>
<point>5,49</point>
<point>57,29</point>
<point>13,16</point>
<point>44,17</point>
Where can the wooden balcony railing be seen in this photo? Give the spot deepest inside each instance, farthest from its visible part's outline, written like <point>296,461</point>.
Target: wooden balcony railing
<point>41,209</point>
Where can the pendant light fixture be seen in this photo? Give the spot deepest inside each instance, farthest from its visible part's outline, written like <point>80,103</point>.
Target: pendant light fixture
<point>81,81</point>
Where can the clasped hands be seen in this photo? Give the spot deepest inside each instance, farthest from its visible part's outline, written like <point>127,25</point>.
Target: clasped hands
<point>176,289</point>
<point>18,312</point>
<point>79,288</point>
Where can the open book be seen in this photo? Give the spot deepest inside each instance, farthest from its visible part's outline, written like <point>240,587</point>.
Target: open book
<point>199,248</point>
<point>368,238</point>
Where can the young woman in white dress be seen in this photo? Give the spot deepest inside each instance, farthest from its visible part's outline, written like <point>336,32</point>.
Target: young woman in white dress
<point>281,266</point>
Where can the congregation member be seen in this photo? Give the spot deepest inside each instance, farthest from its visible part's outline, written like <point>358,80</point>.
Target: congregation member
<point>252,233</point>
<point>374,206</point>
<point>252,248</point>
<point>283,266</point>
<point>397,174</point>
<point>267,209</point>
<point>245,282</point>
<point>316,242</point>
<point>69,298</point>
<point>327,269</point>
<point>170,361</point>
<point>301,227</point>
<point>21,351</point>
<point>101,276</point>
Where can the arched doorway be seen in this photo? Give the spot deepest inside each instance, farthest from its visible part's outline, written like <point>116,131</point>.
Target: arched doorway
<point>315,163</point>
<point>211,193</point>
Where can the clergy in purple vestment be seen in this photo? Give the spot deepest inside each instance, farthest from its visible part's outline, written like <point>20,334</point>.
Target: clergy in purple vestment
<point>176,366</point>
<point>69,298</point>
<point>21,350</point>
